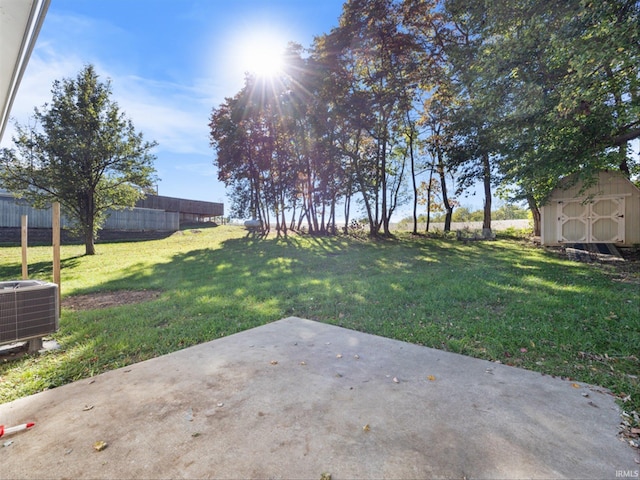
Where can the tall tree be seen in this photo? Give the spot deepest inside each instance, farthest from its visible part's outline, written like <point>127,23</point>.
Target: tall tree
<point>81,151</point>
<point>380,60</point>
<point>566,76</point>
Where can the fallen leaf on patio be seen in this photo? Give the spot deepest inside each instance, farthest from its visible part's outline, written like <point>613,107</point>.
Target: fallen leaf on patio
<point>575,385</point>
<point>100,445</point>
<point>635,431</point>
<point>274,362</point>
<point>303,363</point>
<point>87,408</point>
<point>339,355</point>
<point>325,476</point>
<point>356,356</point>
<point>7,443</point>
<point>366,428</point>
<point>431,378</point>
<point>395,380</point>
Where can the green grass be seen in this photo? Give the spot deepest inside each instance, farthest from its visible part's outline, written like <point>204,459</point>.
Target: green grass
<point>504,301</point>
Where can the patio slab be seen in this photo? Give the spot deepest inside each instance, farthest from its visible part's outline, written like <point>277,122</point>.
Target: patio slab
<point>299,399</point>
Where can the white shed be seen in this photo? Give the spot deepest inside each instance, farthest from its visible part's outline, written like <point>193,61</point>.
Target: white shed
<point>606,212</point>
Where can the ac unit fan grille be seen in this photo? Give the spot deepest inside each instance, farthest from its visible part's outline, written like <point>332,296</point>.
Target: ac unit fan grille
<point>28,309</point>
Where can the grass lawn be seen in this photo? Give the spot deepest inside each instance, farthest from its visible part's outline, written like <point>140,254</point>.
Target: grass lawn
<point>503,301</point>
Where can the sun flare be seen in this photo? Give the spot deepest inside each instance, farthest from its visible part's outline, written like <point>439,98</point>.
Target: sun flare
<point>262,54</point>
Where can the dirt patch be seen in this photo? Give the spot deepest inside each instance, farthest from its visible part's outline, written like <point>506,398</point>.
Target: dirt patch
<point>94,301</point>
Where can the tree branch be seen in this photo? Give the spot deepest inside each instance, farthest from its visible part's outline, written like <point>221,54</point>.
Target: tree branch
<point>626,137</point>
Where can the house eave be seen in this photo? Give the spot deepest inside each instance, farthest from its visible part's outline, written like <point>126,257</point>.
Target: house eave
<point>20,23</point>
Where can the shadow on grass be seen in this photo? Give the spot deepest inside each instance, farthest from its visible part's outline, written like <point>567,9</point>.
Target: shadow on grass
<point>36,269</point>
<point>493,300</point>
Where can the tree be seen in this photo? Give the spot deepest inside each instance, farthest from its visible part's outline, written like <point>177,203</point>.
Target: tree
<point>380,61</point>
<point>564,77</point>
<point>81,151</point>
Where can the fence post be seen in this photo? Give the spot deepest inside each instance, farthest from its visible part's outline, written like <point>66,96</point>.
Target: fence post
<point>55,230</point>
<point>24,242</point>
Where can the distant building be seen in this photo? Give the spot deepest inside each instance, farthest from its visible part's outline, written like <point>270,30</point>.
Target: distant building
<point>153,214</point>
<point>191,211</point>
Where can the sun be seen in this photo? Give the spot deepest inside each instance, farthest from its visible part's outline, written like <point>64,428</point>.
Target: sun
<point>262,54</point>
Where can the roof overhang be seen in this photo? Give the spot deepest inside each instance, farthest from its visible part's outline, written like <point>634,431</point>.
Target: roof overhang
<point>20,22</point>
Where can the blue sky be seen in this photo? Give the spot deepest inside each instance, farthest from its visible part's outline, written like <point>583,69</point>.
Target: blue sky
<point>170,63</point>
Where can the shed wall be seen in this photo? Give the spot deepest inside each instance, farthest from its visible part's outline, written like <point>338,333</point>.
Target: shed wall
<point>609,184</point>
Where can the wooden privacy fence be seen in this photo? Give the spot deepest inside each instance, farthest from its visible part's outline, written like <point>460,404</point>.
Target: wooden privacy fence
<point>137,219</point>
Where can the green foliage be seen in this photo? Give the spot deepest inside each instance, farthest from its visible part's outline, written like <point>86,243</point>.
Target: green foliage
<point>517,93</point>
<point>463,214</point>
<point>509,211</point>
<point>81,151</point>
<point>489,300</point>
<point>564,79</point>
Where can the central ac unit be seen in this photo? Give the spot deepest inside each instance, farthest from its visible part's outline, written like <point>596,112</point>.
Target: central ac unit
<point>28,309</point>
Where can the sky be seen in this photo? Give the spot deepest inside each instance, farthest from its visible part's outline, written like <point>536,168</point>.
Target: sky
<point>170,62</point>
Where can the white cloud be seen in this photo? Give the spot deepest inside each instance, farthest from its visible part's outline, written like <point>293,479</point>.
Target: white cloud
<point>164,113</point>
<point>202,169</point>
<point>179,124</point>
<point>35,88</point>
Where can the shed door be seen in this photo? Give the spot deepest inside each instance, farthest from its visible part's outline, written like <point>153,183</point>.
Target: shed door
<point>599,221</point>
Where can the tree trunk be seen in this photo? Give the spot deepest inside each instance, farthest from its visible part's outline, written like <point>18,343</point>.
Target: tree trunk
<point>385,213</point>
<point>373,222</point>
<point>429,188</point>
<point>413,177</point>
<point>347,210</point>
<point>624,164</point>
<point>292,225</point>
<point>486,177</point>
<point>535,212</point>
<point>87,218</point>
<point>415,194</point>
<point>89,246</point>
<point>284,218</point>
<point>445,198</point>
<point>333,215</point>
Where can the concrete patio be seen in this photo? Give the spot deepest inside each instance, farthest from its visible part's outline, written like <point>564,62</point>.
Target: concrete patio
<point>299,399</point>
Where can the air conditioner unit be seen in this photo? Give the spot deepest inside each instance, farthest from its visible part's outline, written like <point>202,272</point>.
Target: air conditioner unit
<point>28,309</point>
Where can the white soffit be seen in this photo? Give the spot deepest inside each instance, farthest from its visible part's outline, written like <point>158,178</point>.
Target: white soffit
<point>20,22</point>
